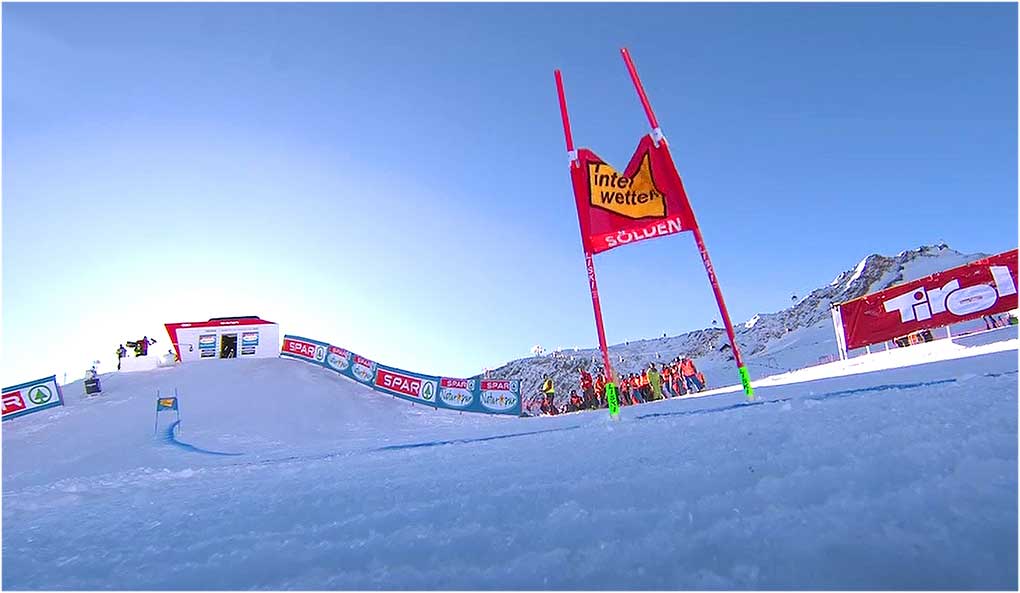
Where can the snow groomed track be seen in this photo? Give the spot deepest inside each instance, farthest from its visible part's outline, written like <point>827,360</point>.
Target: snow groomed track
<point>901,478</point>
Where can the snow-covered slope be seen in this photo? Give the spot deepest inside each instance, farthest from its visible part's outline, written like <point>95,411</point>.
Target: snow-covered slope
<point>770,342</point>
<point>905,478</point>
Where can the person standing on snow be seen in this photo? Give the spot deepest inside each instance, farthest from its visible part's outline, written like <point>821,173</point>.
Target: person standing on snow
<point>635,389</point>
<point>625,391</point>
<point>587,387</point>
<point>654,381</point>
<point>121,353</point>
<point>690,375</point>
<point>548,390</point>
<point>666,384</point>
<point>600,389</point>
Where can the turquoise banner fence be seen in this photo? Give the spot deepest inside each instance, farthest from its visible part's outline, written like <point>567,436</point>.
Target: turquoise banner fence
<point>474,394</point>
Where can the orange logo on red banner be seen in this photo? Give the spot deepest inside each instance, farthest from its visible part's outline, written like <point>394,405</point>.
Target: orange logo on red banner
<point>645,201</point>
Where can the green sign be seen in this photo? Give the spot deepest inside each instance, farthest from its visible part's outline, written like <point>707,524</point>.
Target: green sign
<point>614,403</point>
<point>40,394</point>
<point>745,378</point>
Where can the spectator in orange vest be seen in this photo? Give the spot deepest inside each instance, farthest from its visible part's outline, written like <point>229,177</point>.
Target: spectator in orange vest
<point>625,392</point>
<point>635,393</point>
<point>690,374</point>
<point>667,375</point>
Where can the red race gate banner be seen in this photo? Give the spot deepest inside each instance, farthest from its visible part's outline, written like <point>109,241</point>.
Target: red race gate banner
<point>983,287</point>
<point>646,201</point>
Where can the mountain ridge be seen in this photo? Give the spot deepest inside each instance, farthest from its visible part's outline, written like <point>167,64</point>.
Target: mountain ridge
<point>802,325</point>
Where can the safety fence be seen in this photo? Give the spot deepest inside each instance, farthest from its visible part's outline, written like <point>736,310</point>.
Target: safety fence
<point>30,397</point>
<point>474,394</point>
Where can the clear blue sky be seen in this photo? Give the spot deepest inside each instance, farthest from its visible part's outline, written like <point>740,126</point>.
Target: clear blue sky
<point>392,178</point>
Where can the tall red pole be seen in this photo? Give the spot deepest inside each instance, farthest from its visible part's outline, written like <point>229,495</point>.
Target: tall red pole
<point>588,259</point>
<point>658,137</point>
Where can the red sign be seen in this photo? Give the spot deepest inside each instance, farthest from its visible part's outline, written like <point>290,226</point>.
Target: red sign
<point>454,383</point>
<point>646,201</point>
<point>495,385</point>
<point>984,287</point>
<point>299,348</point>
<point>339,351</point>
<point>363,361</point>
<point>400,383</point>
<point>13,402</point>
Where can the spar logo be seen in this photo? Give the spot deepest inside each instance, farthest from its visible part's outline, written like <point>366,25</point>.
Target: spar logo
<point>304,349</point>
<point>39,395</point>
<point>920,304</point>
<point>405,385</point>
<point>13,402</point>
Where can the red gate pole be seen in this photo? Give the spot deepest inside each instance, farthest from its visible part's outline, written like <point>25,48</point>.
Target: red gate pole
<point>658,137</point>
<point>588,259</point>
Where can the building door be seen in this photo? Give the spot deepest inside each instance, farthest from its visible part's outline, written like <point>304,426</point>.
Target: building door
<point>228,346</point>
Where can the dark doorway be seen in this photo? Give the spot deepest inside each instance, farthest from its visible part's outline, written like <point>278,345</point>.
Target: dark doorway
<point>228,346</point>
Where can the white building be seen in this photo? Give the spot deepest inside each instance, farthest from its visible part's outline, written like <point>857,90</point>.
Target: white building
<point>225,337</point>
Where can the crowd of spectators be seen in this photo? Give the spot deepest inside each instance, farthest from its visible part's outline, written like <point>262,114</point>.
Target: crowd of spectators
<point>677,378</point>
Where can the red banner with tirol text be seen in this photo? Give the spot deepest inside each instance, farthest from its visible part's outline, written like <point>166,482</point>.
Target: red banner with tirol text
<point>983,287</point>
<point>645,201</point>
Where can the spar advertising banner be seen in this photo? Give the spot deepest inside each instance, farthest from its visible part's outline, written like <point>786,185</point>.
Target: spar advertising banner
<point>338,360</point>
<point>465,395</point>
<point>500,396</point>
<point>312,351</point>
<point>457,394</point>
<point>33,396</point>
<point>983,287</point>
<point>407,385</point>
<point>645,201</point>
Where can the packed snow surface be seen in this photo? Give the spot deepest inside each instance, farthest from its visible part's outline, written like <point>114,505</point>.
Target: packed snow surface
<point>285,476</point>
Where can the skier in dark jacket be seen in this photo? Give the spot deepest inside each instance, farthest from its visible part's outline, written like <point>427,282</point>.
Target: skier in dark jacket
<point>144,343</point>
<point>121,353</point>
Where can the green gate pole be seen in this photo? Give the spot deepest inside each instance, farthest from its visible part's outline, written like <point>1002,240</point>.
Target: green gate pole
<point>614,403</point>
